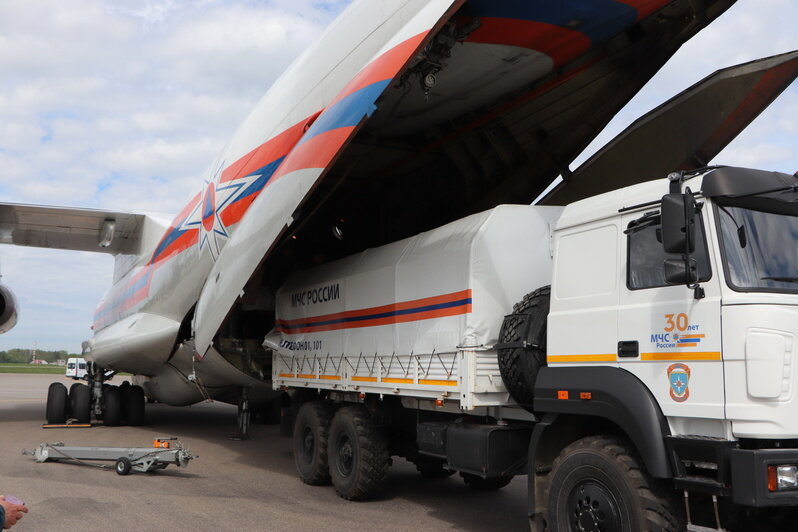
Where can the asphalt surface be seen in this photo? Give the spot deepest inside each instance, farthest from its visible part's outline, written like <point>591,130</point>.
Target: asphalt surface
<point>233,485</point>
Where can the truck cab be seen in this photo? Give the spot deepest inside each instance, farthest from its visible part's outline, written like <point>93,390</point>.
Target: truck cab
<point>689,347</point>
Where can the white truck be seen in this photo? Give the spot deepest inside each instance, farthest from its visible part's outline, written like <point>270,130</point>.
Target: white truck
<point>633,353</point>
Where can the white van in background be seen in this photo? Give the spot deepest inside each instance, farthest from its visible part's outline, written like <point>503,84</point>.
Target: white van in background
<point>76,368</point>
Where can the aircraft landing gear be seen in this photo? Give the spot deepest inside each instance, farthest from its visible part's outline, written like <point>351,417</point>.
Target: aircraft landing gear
<point>115,405</point>
<point>244,415</point>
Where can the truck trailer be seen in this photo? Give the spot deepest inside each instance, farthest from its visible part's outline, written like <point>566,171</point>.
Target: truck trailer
<point>633,353</point>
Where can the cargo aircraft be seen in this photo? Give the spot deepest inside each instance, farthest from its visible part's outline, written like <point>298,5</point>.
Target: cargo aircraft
<point>404,116</point>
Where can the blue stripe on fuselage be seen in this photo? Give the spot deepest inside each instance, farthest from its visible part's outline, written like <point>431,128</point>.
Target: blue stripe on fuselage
<point>598,19</point>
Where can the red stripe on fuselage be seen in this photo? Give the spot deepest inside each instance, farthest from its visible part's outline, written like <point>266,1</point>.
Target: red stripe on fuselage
<point>561,44</point>
<point>384,67</point>
<point>269,151</point>
<point>317,152</point>
<point>645,7</point>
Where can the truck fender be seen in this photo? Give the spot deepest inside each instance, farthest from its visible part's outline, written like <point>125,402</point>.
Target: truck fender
<point>611,393</point>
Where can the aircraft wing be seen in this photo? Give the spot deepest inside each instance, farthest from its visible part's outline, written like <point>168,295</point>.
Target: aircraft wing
<point>685,132</point>
<point>70,228</point>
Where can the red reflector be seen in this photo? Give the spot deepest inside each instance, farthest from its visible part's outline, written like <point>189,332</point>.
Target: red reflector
<point>438,402</point>
<point>587,396</point>
<point>562,394</point>
<point>773,482</point>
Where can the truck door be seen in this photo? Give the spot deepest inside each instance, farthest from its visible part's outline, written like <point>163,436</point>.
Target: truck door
<point>666,337</point>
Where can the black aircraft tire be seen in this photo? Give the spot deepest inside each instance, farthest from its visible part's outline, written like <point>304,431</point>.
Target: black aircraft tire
<point>485,484</point>
<point>598,483</point>
<point>80,402</point>
<point>519,366</point>
<point>311,431</point>
<point>358,454</point>
<point>56,404</point>
<point>134,406</point>
<point>112,407</point>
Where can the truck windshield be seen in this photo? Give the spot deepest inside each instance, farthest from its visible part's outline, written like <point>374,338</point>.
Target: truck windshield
<point>760,249</point>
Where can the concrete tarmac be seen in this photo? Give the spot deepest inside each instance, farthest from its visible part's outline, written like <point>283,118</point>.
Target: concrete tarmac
<point>233,485</point>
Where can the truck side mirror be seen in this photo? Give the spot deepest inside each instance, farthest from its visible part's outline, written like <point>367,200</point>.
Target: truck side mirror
<point>679,271</point>
<point>678,223</point>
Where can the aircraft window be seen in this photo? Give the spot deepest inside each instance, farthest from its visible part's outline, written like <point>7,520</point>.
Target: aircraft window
<point>646,257</point>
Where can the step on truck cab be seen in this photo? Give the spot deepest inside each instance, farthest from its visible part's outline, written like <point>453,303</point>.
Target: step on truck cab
<point>644,378</point>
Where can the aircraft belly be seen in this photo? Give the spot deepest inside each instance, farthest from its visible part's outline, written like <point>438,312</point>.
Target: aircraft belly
<point>140,343</point>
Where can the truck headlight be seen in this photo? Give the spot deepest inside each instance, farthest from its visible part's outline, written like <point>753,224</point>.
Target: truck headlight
<point>782,477</point>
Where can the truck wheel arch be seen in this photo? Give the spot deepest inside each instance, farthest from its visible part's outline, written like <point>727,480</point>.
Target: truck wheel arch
<point>615,395</point>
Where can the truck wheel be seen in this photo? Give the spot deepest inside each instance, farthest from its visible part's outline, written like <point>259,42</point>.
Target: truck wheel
<point>112,408</point>
<point>598,483</point>
<point>485,484</point>
<point>80,402</point>
<point>519,365</point>
<point>56,404</point>
<point>123,466</point>
<point>431,468</point>
<point>358,453</point>
<point>134,406</point>
<point>311,431</point>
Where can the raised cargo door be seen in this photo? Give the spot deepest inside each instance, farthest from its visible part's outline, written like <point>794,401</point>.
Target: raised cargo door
<point>686,132</point>
<point>279,206</point>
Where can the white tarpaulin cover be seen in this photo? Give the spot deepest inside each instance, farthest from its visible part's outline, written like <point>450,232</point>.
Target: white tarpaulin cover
<point>437,292</point>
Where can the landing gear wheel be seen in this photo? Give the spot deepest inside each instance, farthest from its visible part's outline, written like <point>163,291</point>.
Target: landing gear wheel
<point>56,404</point>
<point>123,466</point>
<point>431,468</point>
<point>485,484</point>
<point>311,430</point>
<point>134,406</point>
<point>597,483</point>
<point>358,454</point>
<point>112,409</point>
<point>80,402</point>
<point>519,365</point>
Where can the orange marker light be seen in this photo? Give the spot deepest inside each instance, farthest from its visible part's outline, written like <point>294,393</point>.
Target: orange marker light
<point>438,402</point>
<point>160,444</point>
<point>773,482</point>
<point>562,394</point>
<point>587,396</point>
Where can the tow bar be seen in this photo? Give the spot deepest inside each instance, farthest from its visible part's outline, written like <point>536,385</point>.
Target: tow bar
<point>164,451</point>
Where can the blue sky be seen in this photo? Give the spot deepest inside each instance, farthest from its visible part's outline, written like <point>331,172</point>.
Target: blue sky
<point>121,104</point>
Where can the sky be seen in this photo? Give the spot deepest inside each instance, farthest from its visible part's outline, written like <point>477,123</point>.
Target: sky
<point>121,104</point>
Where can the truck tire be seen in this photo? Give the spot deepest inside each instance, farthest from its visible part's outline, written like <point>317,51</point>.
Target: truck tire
<point>485,484</point>
<point>56,404</point>
<point>112,407</point>
<point>80,402</point>
<point>519,365</point>
<point>358,454</point>
<point>598,483</point>
<point>311,432</point>
<point>134,405</point>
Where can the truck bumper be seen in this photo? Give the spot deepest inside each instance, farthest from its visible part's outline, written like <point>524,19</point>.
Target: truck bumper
<point>749,471</point>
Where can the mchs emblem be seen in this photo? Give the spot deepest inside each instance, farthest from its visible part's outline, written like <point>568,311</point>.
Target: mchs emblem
<point>679,378</point>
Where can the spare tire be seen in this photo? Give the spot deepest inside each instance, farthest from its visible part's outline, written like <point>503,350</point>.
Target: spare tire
<point>522,345</point>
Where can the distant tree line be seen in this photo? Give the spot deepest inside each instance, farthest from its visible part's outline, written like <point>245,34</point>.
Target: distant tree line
<point>24,356</point>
